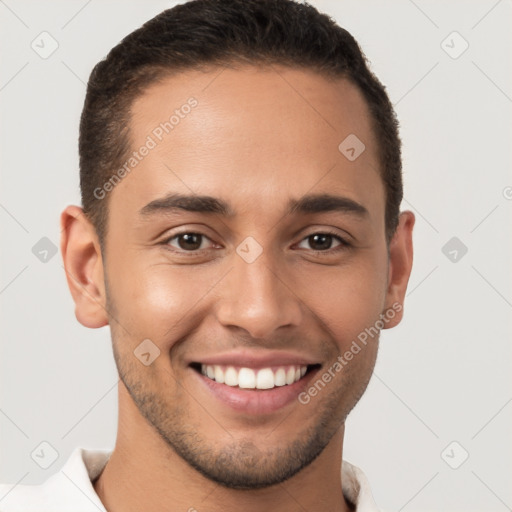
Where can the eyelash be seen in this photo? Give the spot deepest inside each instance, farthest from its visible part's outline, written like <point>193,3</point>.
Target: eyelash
<point>343,243</point>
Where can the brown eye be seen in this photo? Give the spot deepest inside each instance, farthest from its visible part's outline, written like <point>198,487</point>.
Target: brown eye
<point>323,242</point>
<point>320,241</point>
<point>187,241</point>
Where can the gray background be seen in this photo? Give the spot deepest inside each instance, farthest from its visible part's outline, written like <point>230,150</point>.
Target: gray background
<point>443,374</point>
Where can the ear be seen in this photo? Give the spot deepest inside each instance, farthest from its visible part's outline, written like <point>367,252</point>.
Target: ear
<point>83,264</point>
<point>400,265</point>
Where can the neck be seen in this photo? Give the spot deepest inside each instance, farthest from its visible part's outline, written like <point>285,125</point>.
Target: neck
<point>144,473</point>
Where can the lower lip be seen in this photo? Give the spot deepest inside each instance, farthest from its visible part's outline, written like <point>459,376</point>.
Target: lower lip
<point>256,401</point>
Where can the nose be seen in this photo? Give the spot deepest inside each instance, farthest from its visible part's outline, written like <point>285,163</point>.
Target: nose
<point>258,298</point>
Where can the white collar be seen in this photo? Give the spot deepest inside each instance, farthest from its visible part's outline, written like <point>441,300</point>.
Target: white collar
<point>71,489</point>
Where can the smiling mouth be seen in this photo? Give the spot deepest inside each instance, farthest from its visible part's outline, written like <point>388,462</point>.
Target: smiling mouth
<point>251,378</point>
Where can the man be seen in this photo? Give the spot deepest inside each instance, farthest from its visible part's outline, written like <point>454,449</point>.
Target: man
<point>241,235</point>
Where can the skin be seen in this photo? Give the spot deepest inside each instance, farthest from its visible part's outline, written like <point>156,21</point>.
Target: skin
<point>257,138</point>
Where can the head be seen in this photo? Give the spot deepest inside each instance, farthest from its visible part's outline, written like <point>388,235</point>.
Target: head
<point>212,33</point>
<point>241,182</point>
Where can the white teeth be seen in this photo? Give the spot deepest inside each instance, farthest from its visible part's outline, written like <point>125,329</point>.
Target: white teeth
<point>219,374</point>
<point>248,378</point>
<point>231,377</point>
<point>280,377</point>
<point>265,379</point>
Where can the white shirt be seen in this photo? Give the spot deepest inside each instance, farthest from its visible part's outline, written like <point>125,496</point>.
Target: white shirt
<point>71,490</point>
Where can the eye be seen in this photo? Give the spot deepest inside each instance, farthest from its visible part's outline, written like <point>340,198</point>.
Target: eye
<point>322,241</point>
<point>188,241</point>
<point>192,242</point>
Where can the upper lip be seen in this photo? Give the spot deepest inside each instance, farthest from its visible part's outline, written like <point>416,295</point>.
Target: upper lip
<point>256,359</point>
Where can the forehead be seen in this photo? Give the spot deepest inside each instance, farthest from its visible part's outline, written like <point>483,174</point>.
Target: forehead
<point>251,134</point>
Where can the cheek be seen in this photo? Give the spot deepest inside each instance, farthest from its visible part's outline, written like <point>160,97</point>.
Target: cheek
<point>161,302</point>
<point>156,301</point>
<point>349,299</point>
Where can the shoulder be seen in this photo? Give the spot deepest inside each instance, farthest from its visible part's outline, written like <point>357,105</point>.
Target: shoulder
<point>69,489</point>
<point>356,488</point>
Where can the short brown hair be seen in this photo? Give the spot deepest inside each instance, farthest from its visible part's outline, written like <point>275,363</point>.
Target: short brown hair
<point>219,32</point>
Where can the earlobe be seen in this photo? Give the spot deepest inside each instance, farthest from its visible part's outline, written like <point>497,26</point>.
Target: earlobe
<point>83,265</point>
<point>400,266</point>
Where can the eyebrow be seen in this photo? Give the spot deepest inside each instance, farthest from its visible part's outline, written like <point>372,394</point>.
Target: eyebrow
<point>312,203</point>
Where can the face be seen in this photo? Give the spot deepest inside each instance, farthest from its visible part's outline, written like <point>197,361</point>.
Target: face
<point>251,252</point>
